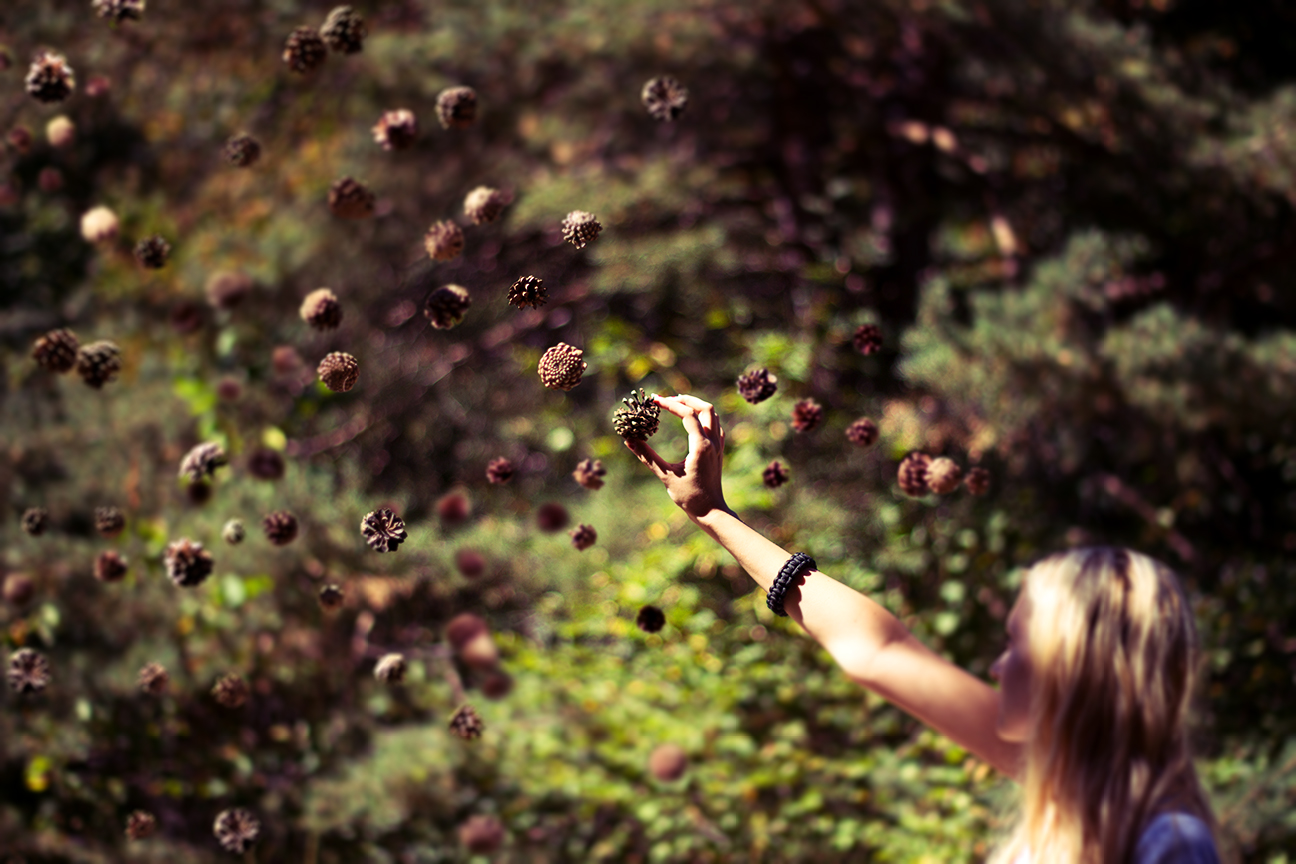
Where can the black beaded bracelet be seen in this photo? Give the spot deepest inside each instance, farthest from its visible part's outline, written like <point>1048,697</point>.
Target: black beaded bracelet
<point>791,573</point>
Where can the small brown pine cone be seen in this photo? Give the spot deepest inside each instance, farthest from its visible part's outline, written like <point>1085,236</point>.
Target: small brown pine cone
<point>97,86</point>
<point>497,684</point>
<point>50,180</point>
<point>445,307</point>
<point>140,825</point>
<point>321,309</point>
<point>265,464</point>
<point>977,481</point>
<point>775,474</point>
<point>665,98</point>
<point>60,132</point>
<point>35,520</point>
<point>391,668</point>
<point>806,415</point>
<point>500,470</point>
<point>484,205</point>
<point>118,11</point>
<point>639,419</point>
<point>201,462</point>
<point>339,371</point>
<point>350,199</point>
<point>20,138</point>
<point>305,50</point>
<point>153,252</point>
<point>583,536</point>
<point>528,291</point>
<point>187,563</point>
<point>199,492</point>
<point>396,130</point>
<point>109,521</point>
<point>186,317</point>
<point>552,517</point>
<point>50,78</point>
<point>110,566</point>
<point>867,339</point>
<point>242,151</point>
<point>580,228</point>
<point>650,619</point>
<point>444,240</point>
<point>464,628</point>
<point>862,433</point>
<point>56,350</point>
<point>912,474</point>
<point>19,589</point>
<point>480,652</point>
<point>98,363</point>
<point>280,527</point>
<point>668,762</point>
<point>332,597</point>
<point>470,563</point>
<point>481,835</point>
<point>344,31</point>
<point>561,367</point>
<point>236,830</point>
<point>383,530</point>
<point>943,475</point>
<point>100,225</point>
<point>226,289</point>
<point>231,691</point>
<point>757,385</point>
<point>590,473</point>
<point>457,107</point>
<point>466,723</point>
<point>234,533</point>
<point>153,679</point>
<point>29,671</point>
<point>453,508</point>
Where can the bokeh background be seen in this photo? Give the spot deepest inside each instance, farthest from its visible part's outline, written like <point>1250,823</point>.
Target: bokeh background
<point>1072,220</point>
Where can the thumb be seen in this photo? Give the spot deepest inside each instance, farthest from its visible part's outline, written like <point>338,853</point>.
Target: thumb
<point>649,457</point>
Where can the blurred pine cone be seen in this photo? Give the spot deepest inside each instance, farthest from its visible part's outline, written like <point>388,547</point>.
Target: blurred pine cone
<point>305,50</point>
<point>551,517</point>
<point>226,289</point>
<point>500,470</point>
<point>977,481</point>
<point>265,464</point>
<point>867,339</point>
<point>56,350</point>
<point>528,291</point>
<point>201,462</point>
<point>153,252</point>
<point>457,107</point>
<point>109,521</point>
<point>481,834</point>
<point>280,527</point>
<point>321,309</point>
<point>466,723</point>
<point>444,240</point>
<point>912,474</point>
<point>344,30</point>
<point>350,199</point>
<point>774,475</point>
<point>242,151</point>
<point>231,691</point>
<point>339,371</point>
<point>233,533</point>
<point>18,589</point>
<point>757,385</point>
<point>453,508</point>
<point>484,205</point>
<point>118,11</point>
<point>561,367</point>
<point>50,78</point>
<point>806,415</point>
<point>35,520</point>
<point>153,679</point>
<point>668,762</point>
<point>98,363</point>
<point>331,597</point>
<point>110,566</point>
<point>583,537</point>
<point>590,473</point>
<point>99,225</point>
<point>863,432</point>
<point>383,530</point>
<point>470,563</point>
<point>650,619</point>
<point>943,475</point>
<point>396,130</point>
<point>390,669</point>
<point>638,420</point>
<point>236,830</point>
<point>580,228</point>
<point>29,671</point>
<point>665,98</point>
<point>446,306</point>
<point>188,564</point>
<point>140,825</point>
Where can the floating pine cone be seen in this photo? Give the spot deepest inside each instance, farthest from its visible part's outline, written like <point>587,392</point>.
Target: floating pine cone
<point>383,530</point>
<point>99,225</point>
<point>305,50</point>
<point>806,415</point>
<point>580,228</point>
<point>199,492</point>
<point>226,289</point>
<point>19,589</point>
<point>551,517</point>
<point>109,521</point>
<point>280,527</point>
<point>321,309</point>
<point>638,420</point>
<point>110,566</point>
<point>56,350</point>
<point>650,619</point>
<point>500,470</point>
<point>446,306</point>
<point>561,367</point>
<point>484,205</point>
<point>466,723</point>
<point>665,98</point>
<point>668,762</point>
<point>265,464</point>
<point>50,78</point>
<point>187,563</point>
<point>153,252</point>
<point>331,597</point>
<point>234,532</point>
<point>457,107</point>
<point>201,462</point>
<point>444,240</point>
<point>60,132</point>
<point>50,179</point>
<point>140,825</point>
<point>339,371</point>
<point>390,668</point>
<point>583,536</point>
<point>29,671</point>
<point>481,835</point>
<point>977,481</point>
<point>912,475</point>
<point>453,508</point>
<point>344,30</point>
<point>497,684</point>
<point>775,474</point>
<point>153,679</point>
<point>242,151</point>
<point>35,520</point>
<point>98,363</point>
<point>236,829</point>
<point>528,291</point>
<point>867,339</point>
<point>231,691</point>
<point>943,475</point>
<point>118,11</point>
<point>463,628</point>
<point>757,385</point>
<point>396,130</point>
<point>590,473</point>
<point>350,199</point>
<point>862,433</point>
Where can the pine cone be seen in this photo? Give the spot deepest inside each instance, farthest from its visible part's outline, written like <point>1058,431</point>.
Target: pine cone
<point>188,564</point>
<point>466,723</point>
<point>583,537</point>
<point>350,199</point>
<point>757,385</point>
<point>280,527</point>
<point>265,464</point>
<point>668,762</point>
<point>484,205</point>
<point>60,132</point>
<point>470,563</point>
<point>561,367</point>
<point>50,78</point>
<point>109,521</point>
<point>35,520</point>
<point>580,228</point>
<point>868,339</point>
<point>153,679</point>
<point>305,50</point>
<point>110,566</point>
<point>199,492</point>
<point>943,475</point>
<point>590,473</point>
<point>29,671</point>
<point>453,508</point>
<point>152,252</point>
<point>396,130</point>
<point>383,530</point>
<point>339,371</point>
<point>806,415</point>
<point>390,668</point>
<point>650,619</point>
<point>977,481</point>
<point>99,225</point>
<point>321,309</point>
<point>331,597</point>
<point>446,306</point>
<point>500,470</point>
<point>98,363</point>
<point>201,462</point>
<point>551,517</point>
<point>56,350</point>
<point>862,433</point>
<point>638,420</point>
<point>665,98</point>
<point>444,240</point>
<point>140,825</point>
<point>20,138</point>
<point>226,289</point>
<point>236,829</point>
<point>497,684</point>
<point>344,30</point>
<point>231,691</point>
<point>457,107</point>
<point>528,291</point>
<point>118,11</point>
<point>775,474</point>
<point>464,628</point>
<point>912,475</point>
<point>481,835</point>
<point>242,151</point>
<point>19,589</point>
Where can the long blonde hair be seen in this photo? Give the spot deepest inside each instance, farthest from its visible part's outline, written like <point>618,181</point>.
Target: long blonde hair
<point>1113,652</point>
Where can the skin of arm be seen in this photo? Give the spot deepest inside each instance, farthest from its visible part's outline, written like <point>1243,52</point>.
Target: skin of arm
<point>872,647</point>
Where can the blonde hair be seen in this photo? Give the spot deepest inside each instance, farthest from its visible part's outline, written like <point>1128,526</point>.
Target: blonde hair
<point>1113,653</point>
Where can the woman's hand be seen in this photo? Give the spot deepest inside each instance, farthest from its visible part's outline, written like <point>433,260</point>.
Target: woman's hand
<point>693,484</point>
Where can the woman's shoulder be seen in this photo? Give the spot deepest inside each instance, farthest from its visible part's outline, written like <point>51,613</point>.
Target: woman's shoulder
<point>1176,838</point>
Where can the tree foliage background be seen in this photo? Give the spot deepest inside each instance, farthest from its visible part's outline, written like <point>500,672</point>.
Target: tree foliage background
<point>1072,219</point>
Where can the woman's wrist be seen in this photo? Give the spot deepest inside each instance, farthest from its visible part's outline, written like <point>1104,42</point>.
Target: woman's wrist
<point>707,520</point>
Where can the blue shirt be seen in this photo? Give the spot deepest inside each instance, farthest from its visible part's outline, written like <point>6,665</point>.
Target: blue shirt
<point>1176,838</point>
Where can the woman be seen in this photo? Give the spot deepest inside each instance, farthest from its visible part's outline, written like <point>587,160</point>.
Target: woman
<point>1091,714</point>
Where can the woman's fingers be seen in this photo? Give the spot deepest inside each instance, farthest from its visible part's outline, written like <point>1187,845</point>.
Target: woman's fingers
<point>651,458</point>
<point>683,406</point>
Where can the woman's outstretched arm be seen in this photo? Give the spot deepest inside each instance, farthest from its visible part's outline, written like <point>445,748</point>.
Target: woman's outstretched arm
<point>866,640</point>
